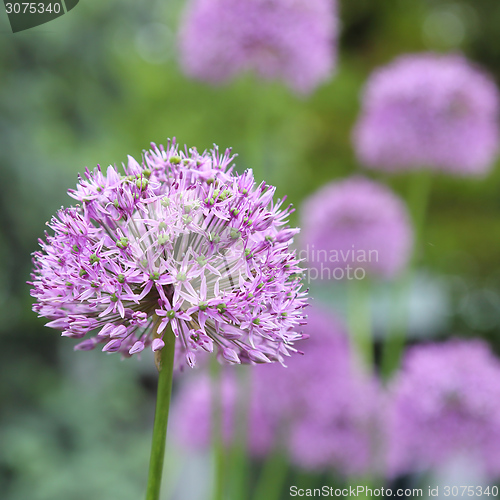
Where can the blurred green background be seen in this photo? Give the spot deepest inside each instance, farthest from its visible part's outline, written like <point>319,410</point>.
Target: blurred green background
<point>102,82</point>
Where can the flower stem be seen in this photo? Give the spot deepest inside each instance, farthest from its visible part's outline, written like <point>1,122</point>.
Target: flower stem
<point>239,455</point>
<point>272,477</point>
<point>165,362</point>
<point>217,438</point>
<point>418,200</point>
<point>398,325</point>
<point>256,134</point>
<point>360,321</point>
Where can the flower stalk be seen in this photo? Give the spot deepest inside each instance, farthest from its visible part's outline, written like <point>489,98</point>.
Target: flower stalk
<point>164,360</point>
<point>217,437</point>
<point>239,455</point>
<point>272,476</point>
<point>360,321</point>
<point>418,201</point>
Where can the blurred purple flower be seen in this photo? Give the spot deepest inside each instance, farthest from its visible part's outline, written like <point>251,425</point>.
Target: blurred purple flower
<point>291,40</point>
<point>180,240</point>
<point>326,402</point>
<point>445,403</point>
<point>429,110</point>
<point>191,417</point>
<point>320,407</point>
<point>352,224</point>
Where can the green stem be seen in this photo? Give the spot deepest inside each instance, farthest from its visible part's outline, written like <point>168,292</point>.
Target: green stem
<point>272,477</point>
<point>256,134</point>
<point>360,321</point>
<point>398,325</point>
<point>368,481</point>
<point>418,200</point>
<point>217,438</point>
<point>239,460</point>
<point>165,363</point>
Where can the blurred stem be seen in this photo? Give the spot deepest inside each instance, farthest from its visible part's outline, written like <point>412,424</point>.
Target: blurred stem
<point>367,481</point>
<point>164,360</point>
<point>239,461</point>
<point>305,479</point>
<point>272,477</point>
<point>418,200</point>
<point>398,325</point>
<point>359,319</point>
<point>217,437</point>
<point>256,135</point>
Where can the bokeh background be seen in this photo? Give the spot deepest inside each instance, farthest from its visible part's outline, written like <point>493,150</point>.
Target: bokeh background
<point>104,81</point>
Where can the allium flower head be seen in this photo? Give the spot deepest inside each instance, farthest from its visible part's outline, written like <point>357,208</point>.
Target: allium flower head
<point>354,224</point>
<point>429,110</point>
<point>333,402</point>
<point>446,403</point>
<point>319,407</point>
<point>291,40</point>
<point>192,412</point>
<point>179,240</point>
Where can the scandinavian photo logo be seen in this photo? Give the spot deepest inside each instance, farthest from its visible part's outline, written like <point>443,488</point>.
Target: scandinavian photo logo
<point>337,264</point>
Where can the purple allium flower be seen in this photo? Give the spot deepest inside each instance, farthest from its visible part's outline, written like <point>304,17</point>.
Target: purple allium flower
<point>334,403</point>
<point>429,110</point>
<point>180,239</point>
<point>191,420</point>
<point>445,402</point>
<point>355,226</point>
<point>320,407</point>
<point>291,40</point>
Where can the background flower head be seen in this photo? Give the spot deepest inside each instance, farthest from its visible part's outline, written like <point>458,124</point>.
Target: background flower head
<point>181,241</point>
<point>429,110</point>
<point>320,407</point>
<point>290,40</point>
<point>445,403</point>
<point>355,223</point>
<point>191,421</point>
<point>331,416</point>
